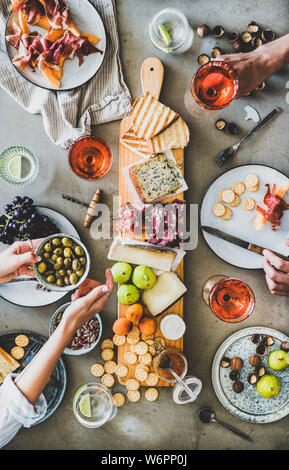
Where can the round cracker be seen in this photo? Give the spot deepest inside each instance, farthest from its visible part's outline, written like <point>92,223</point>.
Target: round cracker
<point>149,341</point>
<point>132,384</point>
<point>141,348</point>
<point>218,209</point>
<point>133,341</point>
<point>152,379</point>
<point>152,350</point>
<point>228,195</point>
<point>121,370</point>
<point>239,188</point>
<point>141,374</point>
<point>251,181</point>
<point>134,332</point>
<point>133,396</point>
<point>108,380</point>
<point>22,340</point>
<point>107,354</point>
<point>17,352</point>
<point>248,204</point>
<point>118,399</point>
<point>228,214</point>
<point>119,340</point>
<point>145,359</point>
<point>236,201</point>
<point>142,366</point>
<point>147,337</point>
<point>160,340</point>
<point>97,370</point>
<point>253,189</point>
<point>130,357</point>
<point>107,344</point>
<point>109,367</point>
<point>151,394</point>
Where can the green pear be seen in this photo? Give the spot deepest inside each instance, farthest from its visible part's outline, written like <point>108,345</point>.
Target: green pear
<point>128,294</point>
<point>269,386</point>
<point>121,272</point>
<point>277,360</point>
<point>143,277</point>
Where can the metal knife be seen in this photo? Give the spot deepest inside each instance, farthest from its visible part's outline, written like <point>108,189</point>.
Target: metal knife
<point>237,241</point>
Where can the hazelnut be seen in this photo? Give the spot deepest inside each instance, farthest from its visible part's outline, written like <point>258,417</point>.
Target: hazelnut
<point>267,35</point>
<point>220,124</point>
<point>233,36</point>
<point>203,30</point>
<point>269,341</point>
<point>255,360</point>
<point>258,42</point>
<point>261,371</point>
<point>253,28</point>
<point>216,52</point>
<point>252,379</point>
<point>225,362</point>
<point>238,387</point>
<point>218,31</point>
<point>256,339</point>
<point>232,128</point>
<point>236,363</point>
<point>261,349</point>
<point>246,37</point>
<point>203,59</point>
<point>285,346</point>
<point>260,88</point>
<point>234,375</point>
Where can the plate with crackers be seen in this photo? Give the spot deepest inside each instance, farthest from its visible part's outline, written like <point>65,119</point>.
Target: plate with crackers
<point>16,351</point>
<point>230,205</point>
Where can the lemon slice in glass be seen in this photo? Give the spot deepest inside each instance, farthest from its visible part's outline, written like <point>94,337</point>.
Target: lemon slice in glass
<point>15,167</point>
<point>164,34</point>
<point>84,405</point>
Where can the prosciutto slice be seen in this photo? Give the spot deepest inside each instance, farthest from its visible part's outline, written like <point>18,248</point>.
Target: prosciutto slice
<point>33,45</point>
<point>57,13</point>
<point>275,207</point>
<point>15,35</point>
<point>33,10</point>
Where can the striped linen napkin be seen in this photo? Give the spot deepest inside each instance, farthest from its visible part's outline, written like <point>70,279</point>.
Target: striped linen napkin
<point>69,115</point>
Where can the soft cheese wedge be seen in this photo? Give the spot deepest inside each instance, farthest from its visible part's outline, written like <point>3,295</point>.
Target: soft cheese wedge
<point>167,290</point>
<point>153,257</point>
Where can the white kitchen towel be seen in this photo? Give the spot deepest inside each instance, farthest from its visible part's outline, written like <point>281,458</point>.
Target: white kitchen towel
<point>69,115</point>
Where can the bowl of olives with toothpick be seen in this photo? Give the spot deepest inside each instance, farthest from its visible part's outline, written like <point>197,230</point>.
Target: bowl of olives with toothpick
<point>64,264</point>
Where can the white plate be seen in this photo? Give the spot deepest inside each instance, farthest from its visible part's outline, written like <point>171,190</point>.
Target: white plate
<point>25,294</point>
<point>249,405</point>
<point>242,223</point>
<point>88,20</point>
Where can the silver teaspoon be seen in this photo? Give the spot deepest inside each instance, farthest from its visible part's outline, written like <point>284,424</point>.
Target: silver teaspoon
<point>208,416</point>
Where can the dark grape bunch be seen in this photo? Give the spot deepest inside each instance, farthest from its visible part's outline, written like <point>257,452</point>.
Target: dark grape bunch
<point>21,221</point>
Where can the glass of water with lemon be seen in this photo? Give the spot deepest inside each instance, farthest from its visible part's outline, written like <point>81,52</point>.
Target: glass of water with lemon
<point>170,32</point>
<point>18,166</point>
<point>92,405</point>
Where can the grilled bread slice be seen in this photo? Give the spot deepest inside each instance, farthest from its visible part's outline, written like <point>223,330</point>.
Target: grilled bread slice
<point>150,117</point>
<point>155,178</point>
<point>174,137</point>
<point>7,364</point>
<point>138,146</point>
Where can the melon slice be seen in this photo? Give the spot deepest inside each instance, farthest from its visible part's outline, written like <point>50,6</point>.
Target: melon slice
<point>91,37</point>
<point>260,220</point>
<point>54,34</point>
<point>49,74</point>
<point>22,23</point>
<point>44,23</point>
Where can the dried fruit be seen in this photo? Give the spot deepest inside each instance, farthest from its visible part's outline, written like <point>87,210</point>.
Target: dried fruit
<point>253,28</point>
<point>255,360</point>
<point>252,379</point>
<point>147,326</point>
<point>237,45</point>
<point>234,375</point>
<point>122,326</point>
<point>285,346</point>
<point>261,371</point>
<point>225,363</point>
<point>203,30</point>
<point>232,128</point>
<point>246,37</point>
<point>220,124</point>
<point>260,87</point>
<point>238,387</point>
<point>216,52</point>
<point>256,339</point>
<point>261,349</point>
<point>267,35</point>
<point>233,36</point>
<point>134,313</point>
<point>236,363</point>
<point>269,341</point>
<point>218,31</point>
<point>203,59</point>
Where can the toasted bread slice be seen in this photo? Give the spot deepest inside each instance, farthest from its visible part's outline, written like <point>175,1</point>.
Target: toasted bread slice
<point>138,146</point>
<point>150,117</point>
<point>175,136</point>
<point>7,364</point>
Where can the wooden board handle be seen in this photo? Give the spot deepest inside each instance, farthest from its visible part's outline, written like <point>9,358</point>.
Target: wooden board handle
<point>152,76</point>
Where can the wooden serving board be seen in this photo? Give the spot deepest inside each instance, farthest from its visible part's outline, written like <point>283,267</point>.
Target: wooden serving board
<point>152,73</point>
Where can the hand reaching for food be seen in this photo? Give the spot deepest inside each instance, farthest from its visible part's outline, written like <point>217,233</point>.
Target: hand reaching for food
<point>18,260</point>
<point>277,272</point>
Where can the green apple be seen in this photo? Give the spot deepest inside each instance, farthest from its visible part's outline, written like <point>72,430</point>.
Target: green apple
<point>143,277</point>
<point>277,360</point>
<point>121,272</point>
<point>128,294</point>
<point>269,386</point>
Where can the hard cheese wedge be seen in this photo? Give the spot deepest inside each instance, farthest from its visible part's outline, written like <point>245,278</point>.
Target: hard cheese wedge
<point>7,364</point>
<point>167,290</point>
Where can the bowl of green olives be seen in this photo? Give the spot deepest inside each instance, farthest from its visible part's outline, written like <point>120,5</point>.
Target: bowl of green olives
<point>64,264</point>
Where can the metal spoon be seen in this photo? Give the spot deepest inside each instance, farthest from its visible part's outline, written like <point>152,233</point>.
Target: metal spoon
<point>208,416</point>
<point>229,152</point>
<point>165,364</point>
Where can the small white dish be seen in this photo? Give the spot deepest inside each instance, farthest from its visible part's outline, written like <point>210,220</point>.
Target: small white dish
<point>172,327</point>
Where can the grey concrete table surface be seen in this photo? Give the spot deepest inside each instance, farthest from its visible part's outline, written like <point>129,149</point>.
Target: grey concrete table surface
<point>162,424</point>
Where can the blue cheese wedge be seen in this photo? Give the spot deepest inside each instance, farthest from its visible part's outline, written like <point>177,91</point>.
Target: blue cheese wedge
<point>155,178</point>
<point>167,290</point>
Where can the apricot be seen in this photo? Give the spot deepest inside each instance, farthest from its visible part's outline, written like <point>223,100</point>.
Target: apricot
<point>122,326</point>
<point>147,326</point>
<point>134,313</point>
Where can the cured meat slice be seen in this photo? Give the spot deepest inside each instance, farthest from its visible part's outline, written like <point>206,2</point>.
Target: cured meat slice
<point>275,207</point>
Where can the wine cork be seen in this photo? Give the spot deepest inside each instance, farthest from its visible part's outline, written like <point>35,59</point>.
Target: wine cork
<point>90,215</point>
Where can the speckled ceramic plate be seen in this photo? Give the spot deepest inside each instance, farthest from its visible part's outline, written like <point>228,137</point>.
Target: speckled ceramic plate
<point>241,224</point>
<point>55,389</point>
<point>249,405</point>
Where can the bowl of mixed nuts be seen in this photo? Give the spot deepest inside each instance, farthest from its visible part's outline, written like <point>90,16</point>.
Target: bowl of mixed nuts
<point>85,338</point>
<point>64,264</point>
